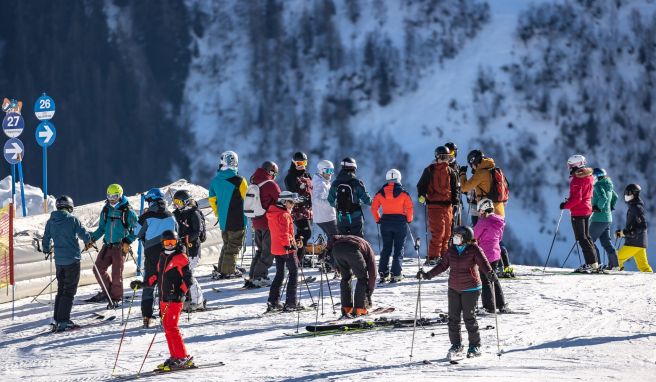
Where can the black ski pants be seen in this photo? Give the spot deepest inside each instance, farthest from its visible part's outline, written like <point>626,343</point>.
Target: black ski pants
<point>463,303</point>
<point>263,258</point>
<point>487,290</point>
<point>350,262</point>
<point>290,262</point>
<point>68,276</point>
<point>303,229</point>
<point>151,257</point>
<point>580,225</point>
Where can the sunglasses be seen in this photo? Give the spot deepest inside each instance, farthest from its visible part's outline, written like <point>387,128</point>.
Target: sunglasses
<point>169,243</point>
<point>300,163</point>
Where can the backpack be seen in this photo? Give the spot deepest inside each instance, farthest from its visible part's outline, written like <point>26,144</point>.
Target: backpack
<point>252,202</point>
<point>203,233</point>
<point>439,188</point>
<point>125,209</point>
<point>345,200</point>
<point>499,187</point>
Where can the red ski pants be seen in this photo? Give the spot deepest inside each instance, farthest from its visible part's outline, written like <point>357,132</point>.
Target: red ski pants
<point>439,224</point>
<point>171,315</point>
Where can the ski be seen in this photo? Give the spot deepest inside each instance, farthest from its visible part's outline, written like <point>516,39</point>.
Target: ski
<point>373,312</point>
<point>382,321</point>
<point>90,323</point>
<point>156,372</point>
<point>310,279</point>
<point>212,308</point>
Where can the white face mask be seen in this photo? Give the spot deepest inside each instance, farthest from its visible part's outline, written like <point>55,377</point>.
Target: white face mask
<point>628,198</point>
<point>457,240</point>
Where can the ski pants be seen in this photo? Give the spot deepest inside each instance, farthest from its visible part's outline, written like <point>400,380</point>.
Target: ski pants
<point>304,230</point>
<point>601,231</point>
<point>439,224</point>
<point>352,224</point>
<point>330,229</point>
<point>582,234</point>
<point>262,260</point>
<point>68,276</point>
<point>486,295</point>
<point>111,255</point>
<point>351,262</point>
<point>151,257</point>
<point>170,317</point>
<point>233,242</point>
<point>463,303</point>
<point>505,260</point>
<point>196,291</point>
<point>290,261</point>
<point>640,255</point>
<point>393,234</point>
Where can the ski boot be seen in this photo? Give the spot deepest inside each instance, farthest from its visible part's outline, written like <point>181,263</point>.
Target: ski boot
<point>396,279</point>
<point>99,297</point>
<point>505,310</point>
<point>473,351</point>
<point>455,353</point>
<point>181,363</point>
<point>166,365</point>
<point>262,282</point>
<point>63,326</point>
<point>288,308</point>
<point>273,307</point>
<point>149,322</point>
<point>216,275</point>
<point>585,268</point>
<point>508,273</point>
<point>383,278</point>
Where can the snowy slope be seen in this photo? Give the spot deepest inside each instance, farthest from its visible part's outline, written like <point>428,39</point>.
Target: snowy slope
<point>585,328</point>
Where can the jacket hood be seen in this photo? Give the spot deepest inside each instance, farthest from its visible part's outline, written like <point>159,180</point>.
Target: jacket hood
<point>487,163</point>
<point>605,181</point>
<point>158,205</point>
<point>260,175</point>
<point>319,178</point>
<point>58,216</point>
<point>494,220</point>
<point>345,175</point>
<point>636,201</point>
<point>583,172</point>
<point>120,204</point>
<point>227,173</point>
<point>397,189</point>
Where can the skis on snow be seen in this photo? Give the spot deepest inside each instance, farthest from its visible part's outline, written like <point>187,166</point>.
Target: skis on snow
<point>157,372</point>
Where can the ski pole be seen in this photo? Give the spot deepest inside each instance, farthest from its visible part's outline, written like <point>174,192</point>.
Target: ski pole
<point>417,244</point>
<point>42,290</point>
<point>418,303</point>
<point>378,229</point>
<point>496,318</point>
<point>425,230</point>
<point>553,241</point>
<point>578,253</point>
<point>102,282</point>
<point>300,267</point>
<point>125,326</point>
<point>51,279</point>
<point>568,254</point>
<point>161,322</point>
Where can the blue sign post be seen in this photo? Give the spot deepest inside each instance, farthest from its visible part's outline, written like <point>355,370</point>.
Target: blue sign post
<point>140,248</point>
<point>13,152</point>
<point>45,135</point>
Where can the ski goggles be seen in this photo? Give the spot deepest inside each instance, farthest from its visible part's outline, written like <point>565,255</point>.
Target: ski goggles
<point>169,242</point>
<point>113,198</point>
<point>300,163</point>
<point>329,171</point>
<point>179,203</point>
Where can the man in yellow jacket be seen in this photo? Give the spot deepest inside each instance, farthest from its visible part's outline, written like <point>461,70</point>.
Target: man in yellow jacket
<point>481,180</point>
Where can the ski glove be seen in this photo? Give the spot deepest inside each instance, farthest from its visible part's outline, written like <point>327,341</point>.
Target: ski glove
<point>562,205</point>
<point>492,276</point>
<point>619,233</point>
<point>463,170</point>
<point>595,209</point>
<point>422,200</point>
<point>423,275</point>
<point>136,285</point>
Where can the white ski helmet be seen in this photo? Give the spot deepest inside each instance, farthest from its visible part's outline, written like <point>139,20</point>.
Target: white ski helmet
<point>325,167</point>
<point>576,161</point>
<point>393,175</point>
<point>229,159</point>
<point>288,196</point>
<point>485,205</point>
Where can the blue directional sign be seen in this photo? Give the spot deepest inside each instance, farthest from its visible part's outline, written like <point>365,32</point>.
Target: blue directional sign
<point>14,150</point>
<point>45,134</point>
<point>13,125</point>
<point>44,107</point>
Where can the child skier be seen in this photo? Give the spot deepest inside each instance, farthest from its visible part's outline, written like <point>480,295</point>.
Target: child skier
<point>488,232</point>
<point>465,258</point>
<point>283,249</point>
<point>635,244</point>
<point>65,229</point>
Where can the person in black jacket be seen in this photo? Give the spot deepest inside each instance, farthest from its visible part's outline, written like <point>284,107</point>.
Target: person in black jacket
<point>635,233</point>
<point>298,180</point>
<point>347,194</point>
<point>191,230</point>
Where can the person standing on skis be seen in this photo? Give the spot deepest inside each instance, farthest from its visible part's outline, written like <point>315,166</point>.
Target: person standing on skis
<point>298,180</point>
<point>355,257</point>
<point>457,208</point>
<point>635,232</point>
<point>604,198</point>
<point>324,214</point>
<point>466,261</point>
<point>347,194</point>
<point>397,209</point>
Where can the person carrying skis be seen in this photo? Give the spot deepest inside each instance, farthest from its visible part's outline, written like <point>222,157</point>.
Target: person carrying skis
<point>635,232</point>
<point>324,214</point>
<point>191,231</point>
<point>457,208</point>
<point>604,198</point>
<point>580,206</point>
<point>355,257</point>
<point>226,197</point>
<point>173,280</point>
<point>438,190</point>
<point>283,249</point>
<point>117,224</point>
<point>466,262</point>
<point>347,194</point>
<point>298,180</point>
<point>268,190</point>
<point>64,230</point>
<point>397,209</point>
<point>488,232</point>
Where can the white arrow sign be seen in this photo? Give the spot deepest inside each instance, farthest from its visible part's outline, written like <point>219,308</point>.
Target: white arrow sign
<point>46,134</point>
<point>16,150</point>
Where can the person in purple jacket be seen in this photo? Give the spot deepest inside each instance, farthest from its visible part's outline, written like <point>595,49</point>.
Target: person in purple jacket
<point>465,259</point>
<point>488,231</point>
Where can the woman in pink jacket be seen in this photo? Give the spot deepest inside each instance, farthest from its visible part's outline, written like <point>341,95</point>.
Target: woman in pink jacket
<point>488,231</point>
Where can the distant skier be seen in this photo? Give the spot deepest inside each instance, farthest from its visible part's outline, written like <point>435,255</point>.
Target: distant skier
<point>283,249</point>
<point>298,180</point>
<point>488,232</point>
<point>226,197</point>
<point>635,232</point>
<point>604,198</point>
<point>453,163</point>
<point>438,189</point>
<point>173,280</point>
<point>324,214</point>
<point>347,194</point>
<point>580,206</point>
<point>192,233</point>
<point>117,224</point>
<point>466,261</point>
<point>397,210</point>
<point>355,257</point>
<point>65,229</point>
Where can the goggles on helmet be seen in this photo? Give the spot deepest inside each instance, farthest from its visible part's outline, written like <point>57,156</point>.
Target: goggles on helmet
<point>300,163</point>
<point>179,203</point>
<point>329,171</point>
<point>113,198</point>
<point>169,243</point>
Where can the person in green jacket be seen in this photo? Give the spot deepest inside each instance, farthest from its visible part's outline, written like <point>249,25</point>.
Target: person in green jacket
<point>603,202</point>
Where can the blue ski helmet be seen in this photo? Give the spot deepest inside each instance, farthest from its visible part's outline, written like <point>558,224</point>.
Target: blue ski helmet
<point>153,194</point>
<point>599,172</point>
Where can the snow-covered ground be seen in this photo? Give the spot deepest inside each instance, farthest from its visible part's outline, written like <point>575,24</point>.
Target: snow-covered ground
<point>580,327</point>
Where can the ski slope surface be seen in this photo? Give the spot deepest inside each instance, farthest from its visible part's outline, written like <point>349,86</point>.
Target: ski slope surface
<point>578,327</point>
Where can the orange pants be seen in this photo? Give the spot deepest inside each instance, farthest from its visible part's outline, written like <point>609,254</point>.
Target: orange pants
<point>171,312</point>
<point>439,224</point>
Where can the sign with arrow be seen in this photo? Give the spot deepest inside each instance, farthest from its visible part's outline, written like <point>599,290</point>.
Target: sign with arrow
<point>45,134</point>
<point>44,107</point>
<point>14,150</point>
<point>13,125</point>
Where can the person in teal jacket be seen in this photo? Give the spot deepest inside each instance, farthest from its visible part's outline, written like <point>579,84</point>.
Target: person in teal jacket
<point>64,230</point>
<point>117,225</point>
<point>604,198</point>
<point>226,197</point>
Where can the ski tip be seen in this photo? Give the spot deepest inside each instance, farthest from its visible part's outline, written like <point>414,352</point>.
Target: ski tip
<point>453,362</point>
<point>426,362</point>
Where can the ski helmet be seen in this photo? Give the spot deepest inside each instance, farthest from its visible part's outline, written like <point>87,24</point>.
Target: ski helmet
<point>485,205</point>
<point>229,159</point>
<point>465,232</point>
<point>168,236</point>
<point>153,194</point>
<point>632,189</point>
<point>325,167</point>
<point>349,163</point>
<point>576,161</point>
<point>64,202</point>
<point>288,196</point>
<point>181,198</point>
<point>393,175</point>
<point>599,172</point>
<point>441,150</point>
<point>114,192</point>
<point>475,157</point>
<point>453,149</point>
<point>300,160</point>
<point>270,167</point>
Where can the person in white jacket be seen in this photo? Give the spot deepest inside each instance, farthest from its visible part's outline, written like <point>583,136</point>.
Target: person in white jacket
<point>324,214</point>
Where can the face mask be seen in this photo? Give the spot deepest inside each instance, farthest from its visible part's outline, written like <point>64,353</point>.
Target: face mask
<point>169,251</point>
<point>457,240</point>
<point>628,198</point>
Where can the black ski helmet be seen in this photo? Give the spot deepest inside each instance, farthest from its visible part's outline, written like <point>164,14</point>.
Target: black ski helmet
<point>183,195</point>
<point>299,156</point>
<point>64,202</point>
<point>169,235</point>
<point>632,189</point>
<point>441,150</point>
<point>465,231</point>
<point>475,157</point>
<point>349,164</point>
<point>270,167</point>
<point>452,148</point>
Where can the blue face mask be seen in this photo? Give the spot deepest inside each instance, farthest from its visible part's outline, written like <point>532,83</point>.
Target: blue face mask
<point>460,248</point>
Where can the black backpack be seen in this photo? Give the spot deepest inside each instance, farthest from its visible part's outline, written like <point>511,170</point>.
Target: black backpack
<point>346,202</point>
<point>203,234</point>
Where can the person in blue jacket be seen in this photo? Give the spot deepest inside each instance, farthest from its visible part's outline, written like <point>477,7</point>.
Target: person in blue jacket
<point>151,224</point>
<point>117,223</point>
<point>65,229</point>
